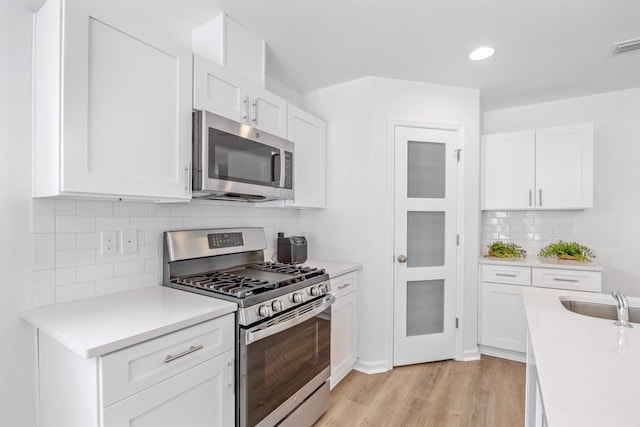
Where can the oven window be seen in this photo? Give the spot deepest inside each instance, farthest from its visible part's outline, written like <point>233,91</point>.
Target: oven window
<point>280,365</point>
<point>233,158</point>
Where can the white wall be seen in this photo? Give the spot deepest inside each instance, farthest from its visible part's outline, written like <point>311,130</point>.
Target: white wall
<point>612,227</point>
<point>17,373</point>
<point>357,226</point>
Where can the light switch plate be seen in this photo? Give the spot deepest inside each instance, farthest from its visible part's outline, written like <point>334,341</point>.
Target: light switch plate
<point>129,239</point>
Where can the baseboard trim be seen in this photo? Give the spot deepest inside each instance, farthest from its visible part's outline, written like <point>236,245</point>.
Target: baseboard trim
<point>470,355</point>
<point>372,367</point>
<point>504,354</point>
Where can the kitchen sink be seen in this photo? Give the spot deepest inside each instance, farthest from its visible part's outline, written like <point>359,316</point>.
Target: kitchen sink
<point>600,310</point>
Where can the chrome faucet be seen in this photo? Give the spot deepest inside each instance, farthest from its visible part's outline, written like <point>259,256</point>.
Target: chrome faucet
<point>622,309</point>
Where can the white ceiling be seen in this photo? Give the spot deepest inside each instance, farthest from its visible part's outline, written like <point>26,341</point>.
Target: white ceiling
<point>545,49</point>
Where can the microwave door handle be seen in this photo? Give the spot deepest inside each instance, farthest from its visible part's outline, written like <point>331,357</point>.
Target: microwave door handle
<point>275,155</point>
<point>283,166</point>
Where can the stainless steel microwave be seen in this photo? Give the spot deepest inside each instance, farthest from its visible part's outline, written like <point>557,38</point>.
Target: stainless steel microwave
<point>233,161</point>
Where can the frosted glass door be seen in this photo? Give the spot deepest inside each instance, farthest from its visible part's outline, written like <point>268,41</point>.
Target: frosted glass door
<point>425,244</point>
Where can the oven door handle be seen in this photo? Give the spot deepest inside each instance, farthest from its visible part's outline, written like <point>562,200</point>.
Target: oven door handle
<point>251,337</point>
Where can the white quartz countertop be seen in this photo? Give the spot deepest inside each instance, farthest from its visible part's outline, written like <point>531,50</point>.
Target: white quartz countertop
<point>334,268</point>
<point>96,326</point>
<point>535,262</point>
<point>588,368</point>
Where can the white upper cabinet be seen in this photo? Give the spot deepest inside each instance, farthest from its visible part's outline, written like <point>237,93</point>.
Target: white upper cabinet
<point>548,168</point>
<point>112,105</point>
<point>226,93</point>
<point>308,133</point>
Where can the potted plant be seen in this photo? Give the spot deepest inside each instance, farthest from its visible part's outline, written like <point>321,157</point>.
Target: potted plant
<point>506,250</point>
<point>567,251</point>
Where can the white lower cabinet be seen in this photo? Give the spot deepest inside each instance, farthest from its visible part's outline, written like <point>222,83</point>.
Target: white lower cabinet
<point>344,326</point>
<point>502,326</point>
<point>183,378</point>
<point>198,397</point>
<point>503,323</point>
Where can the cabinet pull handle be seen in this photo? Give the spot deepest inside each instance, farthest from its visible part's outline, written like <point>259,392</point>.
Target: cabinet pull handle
<point>232,377</point>
<point>530,198</point>
<point>255,112</point>
<point>540,198</point>
<point>346,285</point>
<point>557,279</point>
<point>245,117</point>
<point>190,350</point>
<point>187,184</point>
<point>506,275</point>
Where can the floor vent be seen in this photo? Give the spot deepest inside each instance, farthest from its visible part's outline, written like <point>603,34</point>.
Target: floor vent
<point>626,46</point>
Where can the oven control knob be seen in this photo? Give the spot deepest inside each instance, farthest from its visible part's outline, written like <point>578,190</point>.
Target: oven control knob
<point>314,291</point>
<point>323,288</point>
<point>276,306</point>
<point>264,311</point>
<point>297,297</point>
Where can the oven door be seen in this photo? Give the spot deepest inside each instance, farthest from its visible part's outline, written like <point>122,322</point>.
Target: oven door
<point>283,361</point>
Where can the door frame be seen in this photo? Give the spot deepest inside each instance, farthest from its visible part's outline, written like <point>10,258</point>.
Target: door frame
<point>460,129</point>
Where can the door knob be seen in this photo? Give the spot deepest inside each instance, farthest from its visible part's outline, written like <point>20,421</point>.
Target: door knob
<point>402,258</point>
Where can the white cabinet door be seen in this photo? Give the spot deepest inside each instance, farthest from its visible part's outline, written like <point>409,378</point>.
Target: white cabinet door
<point>223,92</point>
<point>564,167</point>
<point>509,170</point>
<point>268,111</point>
<point>121,105</point>
<point>202,396</point>
<point>548,168</point>
<point>503,323</point>
<point>309,136</point>
<point>343,337</point>
<point>220,91</point>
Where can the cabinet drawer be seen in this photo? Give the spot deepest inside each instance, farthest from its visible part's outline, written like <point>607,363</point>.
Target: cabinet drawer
<point>506,274</point>
<point>575,280</point>
<point>344,284</point>
<point>138,367</point>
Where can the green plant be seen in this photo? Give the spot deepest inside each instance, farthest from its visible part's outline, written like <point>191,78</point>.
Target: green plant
<point>567,250</point>
<point>506,250</point>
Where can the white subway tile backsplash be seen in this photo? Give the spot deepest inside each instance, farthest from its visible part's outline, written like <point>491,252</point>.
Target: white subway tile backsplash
<point>75,258</point>
<point>144,223</point>
<point>87,273</point>
<point>65,241</point>
<point>67,263</point>
<point>65,207</point>
<point>129,268</point>
<point>43,216</point>
<point>144,280</point>
<point>94,208</point>
<point>75,292</point>
<point>106,223</point>
<point>44,288</point>
<point>87,240</point>
<point>44,251</point>
<point>128,209</point>
<point>66,276</point>
<point>75,224</point>
<point>111,286</point>
<point>170,223</point>
<point>182,209</point>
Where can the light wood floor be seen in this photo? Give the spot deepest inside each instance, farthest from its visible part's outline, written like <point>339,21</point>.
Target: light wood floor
<point>484,393</point>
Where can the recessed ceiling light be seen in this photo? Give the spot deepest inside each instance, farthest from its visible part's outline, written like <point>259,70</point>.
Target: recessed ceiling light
<point>481,53</point>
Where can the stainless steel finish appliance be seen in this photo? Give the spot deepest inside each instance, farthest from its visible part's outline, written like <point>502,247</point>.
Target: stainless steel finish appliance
<point>283,322</point>
<point>233,161</point>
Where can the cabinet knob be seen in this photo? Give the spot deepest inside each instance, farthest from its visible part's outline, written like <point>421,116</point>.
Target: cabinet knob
<point>402,258</point>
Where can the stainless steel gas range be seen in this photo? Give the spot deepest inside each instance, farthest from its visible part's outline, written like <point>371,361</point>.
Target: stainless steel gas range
<point>283,323</point>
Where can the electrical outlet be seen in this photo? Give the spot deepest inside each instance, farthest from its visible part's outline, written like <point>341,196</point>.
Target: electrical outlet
<point>108,242</point>
<point>129,239</point>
